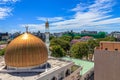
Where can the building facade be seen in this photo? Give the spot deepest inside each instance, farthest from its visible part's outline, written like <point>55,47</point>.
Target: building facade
<point>115,34</point>
<point>88,32</point>
<point>59,70</point>
<point>107,57</point>
<point>4,36</point>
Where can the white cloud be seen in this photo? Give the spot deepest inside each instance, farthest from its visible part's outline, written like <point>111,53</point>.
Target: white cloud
<point>109,21</point>
<point>5,10</point>
<point>6,1</point>
<point>91,15</point>
<point>50,19</point>
<point>87,16</point>
<point>14,30</point>
<point>80,7</point>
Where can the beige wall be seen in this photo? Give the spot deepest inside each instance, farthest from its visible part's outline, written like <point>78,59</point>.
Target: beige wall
<point>111,46</point>
<point>107,65</point>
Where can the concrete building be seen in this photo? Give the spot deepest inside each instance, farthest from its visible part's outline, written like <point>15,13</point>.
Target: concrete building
<point>4,36</point>
<point>88,32</point>
<point>107,61</point>
<point>40,35</point>
<point>115,34</point>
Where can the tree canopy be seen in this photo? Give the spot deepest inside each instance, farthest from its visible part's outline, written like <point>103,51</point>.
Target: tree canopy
<point>57,41</point>
<point>66,38</point>
<point>2,52</point>
<point>57,51</point>
<point>77,37</point>
<point>51,37</point>
<point>79,50</point>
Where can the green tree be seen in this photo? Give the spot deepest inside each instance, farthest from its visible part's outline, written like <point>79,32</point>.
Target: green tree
<point>79,50</point>
<point>66,38</point>
<point>57,51</point>
<point>91,45</point>
<point>2,52</point>
<point>52,37</point>
<point>105,39</point>
<point>57,41</point>
<point>77,37</point>
<point>109,38</point>
<point>94,43</point>
<point>102,34</point>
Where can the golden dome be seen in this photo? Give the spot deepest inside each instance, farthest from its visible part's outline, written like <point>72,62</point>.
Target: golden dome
<point>26,51</point>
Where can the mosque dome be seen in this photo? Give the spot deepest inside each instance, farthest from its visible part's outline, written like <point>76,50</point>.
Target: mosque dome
<point>26,51</point>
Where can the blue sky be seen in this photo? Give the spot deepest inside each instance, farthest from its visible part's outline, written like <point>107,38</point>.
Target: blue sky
<point>63,15</point>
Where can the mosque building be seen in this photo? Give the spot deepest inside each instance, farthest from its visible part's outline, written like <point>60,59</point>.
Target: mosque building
<point>26,58</point>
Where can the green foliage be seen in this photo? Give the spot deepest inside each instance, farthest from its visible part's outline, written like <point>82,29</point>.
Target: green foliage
<point>92,44</point>
<point>82,49</point>
<point>99,35</point>
<point>69,34</point>
<point>2,51</point>
<point>77,37</point>
<point>66,38</point>
<point>72,34</point>
<point>79,50</point>
<point>62,43</point>
<point>3,42</point>
<point>107,39</point>
<point>57,51</point>
<point>52,37</point>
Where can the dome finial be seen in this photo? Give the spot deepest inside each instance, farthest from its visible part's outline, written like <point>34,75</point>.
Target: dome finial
<point>26,29</point>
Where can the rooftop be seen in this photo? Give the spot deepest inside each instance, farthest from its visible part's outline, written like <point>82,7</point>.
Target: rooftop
<point>109,42</point>
<point>56,64</point>
<point>86,65</point>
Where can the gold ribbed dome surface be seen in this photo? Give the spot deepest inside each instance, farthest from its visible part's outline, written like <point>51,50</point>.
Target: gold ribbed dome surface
<point>26,51</point>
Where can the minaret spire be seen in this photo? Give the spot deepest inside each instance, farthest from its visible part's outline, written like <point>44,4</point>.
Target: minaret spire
<point>47,36</point>
<point>47,24</point>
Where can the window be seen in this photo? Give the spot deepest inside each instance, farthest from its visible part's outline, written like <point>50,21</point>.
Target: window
<point>106,48</point>
<point>54,78</point>
<point>67,72</point>
<point>116,49</point>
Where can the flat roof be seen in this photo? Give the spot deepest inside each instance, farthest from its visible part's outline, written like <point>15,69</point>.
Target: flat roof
<point>56,64</point>
<point>86,65</point>
<point>108,42</point>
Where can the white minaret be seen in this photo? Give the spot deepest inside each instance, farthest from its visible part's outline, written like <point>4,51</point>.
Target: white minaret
<point>47,36</point>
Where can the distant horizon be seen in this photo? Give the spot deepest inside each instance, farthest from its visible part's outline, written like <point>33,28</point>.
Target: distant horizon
<point>63,15</point>
<point>59,31</point>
